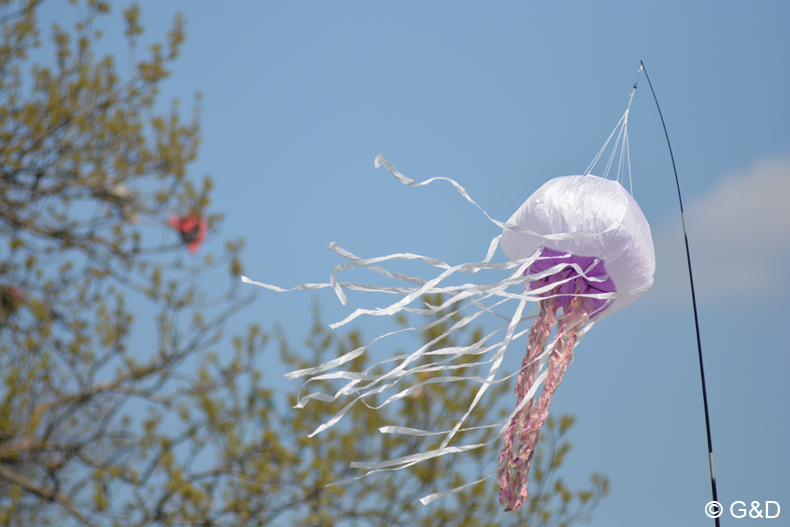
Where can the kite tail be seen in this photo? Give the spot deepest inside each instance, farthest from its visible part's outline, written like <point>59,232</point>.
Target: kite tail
<point>539,334</point>
<point>514,468</point>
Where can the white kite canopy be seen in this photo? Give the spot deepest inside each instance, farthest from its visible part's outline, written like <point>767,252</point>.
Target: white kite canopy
<point>588,216</point>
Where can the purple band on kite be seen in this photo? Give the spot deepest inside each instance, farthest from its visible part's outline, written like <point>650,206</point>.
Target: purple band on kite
<point>550,258</point>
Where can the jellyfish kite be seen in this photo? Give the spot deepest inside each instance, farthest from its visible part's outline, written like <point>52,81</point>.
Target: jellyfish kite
<point>578,249</point>
<point>595,256</point>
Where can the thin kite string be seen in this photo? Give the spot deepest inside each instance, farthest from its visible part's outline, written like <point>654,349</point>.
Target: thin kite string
<point>603,148</point>
<point>621,130</point>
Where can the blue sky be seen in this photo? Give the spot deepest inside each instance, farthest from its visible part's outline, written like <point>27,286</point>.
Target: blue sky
<point>300,97</point>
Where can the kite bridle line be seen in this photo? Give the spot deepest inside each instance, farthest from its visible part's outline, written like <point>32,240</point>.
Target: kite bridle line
<point>625,154</point>
<point>693,298</point>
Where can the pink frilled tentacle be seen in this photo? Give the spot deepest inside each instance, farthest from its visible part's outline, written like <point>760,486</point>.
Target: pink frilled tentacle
<point>523,433</point>
<point>541,330</point>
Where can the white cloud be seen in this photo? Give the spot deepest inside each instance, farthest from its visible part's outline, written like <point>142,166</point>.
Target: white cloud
<point>739,236</point>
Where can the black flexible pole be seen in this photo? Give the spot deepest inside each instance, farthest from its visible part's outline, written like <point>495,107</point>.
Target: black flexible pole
<point>693,302</point>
